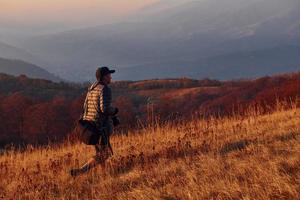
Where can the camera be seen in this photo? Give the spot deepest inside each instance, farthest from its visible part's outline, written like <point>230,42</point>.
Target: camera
<point>116,120</point>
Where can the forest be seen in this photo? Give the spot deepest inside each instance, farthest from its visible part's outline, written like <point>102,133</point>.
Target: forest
<point>37,112</point>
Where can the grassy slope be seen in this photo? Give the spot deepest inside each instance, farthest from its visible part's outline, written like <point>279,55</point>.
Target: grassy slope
<point>254,157</point>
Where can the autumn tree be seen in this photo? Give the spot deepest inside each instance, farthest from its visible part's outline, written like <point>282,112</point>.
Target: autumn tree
<point>48,121</point>
<point>13,109</point>
<point>127,111</point>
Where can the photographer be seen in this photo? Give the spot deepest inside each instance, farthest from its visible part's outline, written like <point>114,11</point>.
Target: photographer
<point>99,112</point>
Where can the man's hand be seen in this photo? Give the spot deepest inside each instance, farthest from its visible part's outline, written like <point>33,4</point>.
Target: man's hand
<point>116,111</point>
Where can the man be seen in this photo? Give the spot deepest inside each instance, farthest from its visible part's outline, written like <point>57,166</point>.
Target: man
<point>99,112</point>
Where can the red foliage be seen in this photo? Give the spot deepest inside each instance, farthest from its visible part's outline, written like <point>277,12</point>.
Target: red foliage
<point>126,111</point>
<point>264,92</point>
<point>76,108</point>
<point>37,120</point>
<point>13,110</point>
<point>48,121</point>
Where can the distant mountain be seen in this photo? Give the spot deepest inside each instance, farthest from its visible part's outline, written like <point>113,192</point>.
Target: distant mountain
<point>18,67</point>
<point>12,52</point>
<point>186,33</point>
<point>243,64</point>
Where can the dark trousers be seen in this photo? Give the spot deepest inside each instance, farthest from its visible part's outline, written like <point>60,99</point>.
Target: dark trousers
<point>103,147</point>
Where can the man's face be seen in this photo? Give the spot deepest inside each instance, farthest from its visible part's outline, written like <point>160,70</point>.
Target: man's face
<point>107,78</point>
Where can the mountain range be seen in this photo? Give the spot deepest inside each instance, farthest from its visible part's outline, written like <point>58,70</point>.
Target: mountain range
<point>205,38</point>
<point>12,52</point>
<point>19,67</point>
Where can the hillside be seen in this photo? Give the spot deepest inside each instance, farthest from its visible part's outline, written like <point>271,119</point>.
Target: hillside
<point>253,157</point>
<point>37,88</point>
<point>18,67</point>
<point>141,103</point>
<point>11,52</point>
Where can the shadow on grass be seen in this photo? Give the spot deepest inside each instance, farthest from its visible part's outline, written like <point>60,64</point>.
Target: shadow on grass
<point>286,137</point>
<point>235,146</point>
<point>242,144</point>
<point>125,164</point>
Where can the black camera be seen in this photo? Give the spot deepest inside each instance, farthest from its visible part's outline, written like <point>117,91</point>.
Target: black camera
<point>116,120</point>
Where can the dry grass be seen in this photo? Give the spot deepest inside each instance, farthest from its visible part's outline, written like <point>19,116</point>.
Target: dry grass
<point>254,157</point>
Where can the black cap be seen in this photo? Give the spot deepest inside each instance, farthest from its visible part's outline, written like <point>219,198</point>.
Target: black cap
<point>102,71</point>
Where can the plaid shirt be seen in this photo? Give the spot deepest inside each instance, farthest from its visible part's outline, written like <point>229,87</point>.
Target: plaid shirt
<point>97,105</point>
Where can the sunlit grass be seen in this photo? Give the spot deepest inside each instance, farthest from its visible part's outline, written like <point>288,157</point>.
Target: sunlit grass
<point>241,157</point>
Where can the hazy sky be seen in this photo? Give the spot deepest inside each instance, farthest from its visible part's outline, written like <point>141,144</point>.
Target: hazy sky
<point>59,14</point>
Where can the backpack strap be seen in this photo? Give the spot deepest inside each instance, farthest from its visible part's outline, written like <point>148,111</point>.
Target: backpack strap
<point>94,86</point>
